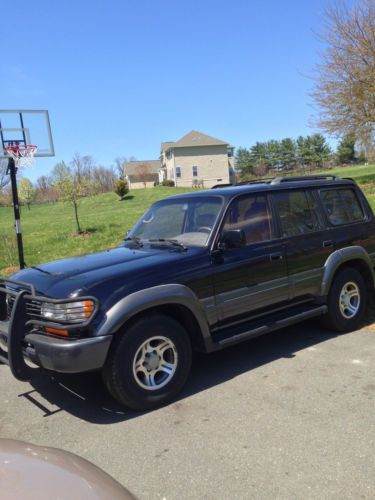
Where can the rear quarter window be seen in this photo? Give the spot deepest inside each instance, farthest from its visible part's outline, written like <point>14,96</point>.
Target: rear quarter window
<point>342,206</point>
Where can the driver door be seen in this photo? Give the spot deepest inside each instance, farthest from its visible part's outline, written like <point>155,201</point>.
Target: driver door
<point>254,276</point>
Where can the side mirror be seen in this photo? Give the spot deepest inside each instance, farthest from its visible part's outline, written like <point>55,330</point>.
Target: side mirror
<point>233,239</point>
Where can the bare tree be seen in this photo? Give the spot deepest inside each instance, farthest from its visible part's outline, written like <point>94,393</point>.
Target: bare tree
<point>120,164</point>
<point>104,178</point>
<point>345,80</point>
<point>46,191</point>
<point>83,166</point>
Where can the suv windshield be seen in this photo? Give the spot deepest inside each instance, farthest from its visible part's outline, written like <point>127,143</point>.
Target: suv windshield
<point>188,221</point>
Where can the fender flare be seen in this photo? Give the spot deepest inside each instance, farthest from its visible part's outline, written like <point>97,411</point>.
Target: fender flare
<point>148,298</point>
<point>339,257</point>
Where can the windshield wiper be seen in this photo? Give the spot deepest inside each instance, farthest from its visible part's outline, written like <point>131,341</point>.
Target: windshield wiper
<point>172,242</point>
<point>134,239</point>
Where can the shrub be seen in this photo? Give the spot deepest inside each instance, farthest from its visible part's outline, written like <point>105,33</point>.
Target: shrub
<point>121,188</point>
<point>168,183</point>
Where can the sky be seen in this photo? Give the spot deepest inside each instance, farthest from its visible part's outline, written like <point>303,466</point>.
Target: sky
<point>120,76</point>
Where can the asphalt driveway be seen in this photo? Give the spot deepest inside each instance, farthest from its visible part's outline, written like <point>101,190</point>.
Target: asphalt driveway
<point>288,415</point>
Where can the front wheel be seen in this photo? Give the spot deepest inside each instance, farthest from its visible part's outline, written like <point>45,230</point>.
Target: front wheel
<point>148,363</point>
<point>346,302</point>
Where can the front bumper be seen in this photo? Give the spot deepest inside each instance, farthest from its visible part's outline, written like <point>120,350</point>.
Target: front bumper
<point>19,341</point>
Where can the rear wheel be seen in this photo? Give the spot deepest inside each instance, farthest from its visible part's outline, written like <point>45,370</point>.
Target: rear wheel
<point>149,362</point>
<point>346,302</point>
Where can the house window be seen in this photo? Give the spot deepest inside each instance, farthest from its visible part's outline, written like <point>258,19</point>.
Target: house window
<point>178,171</point>
<point>195,171</point>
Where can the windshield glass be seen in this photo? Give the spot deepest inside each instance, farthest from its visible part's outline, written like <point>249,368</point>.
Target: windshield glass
<point>187,220</point>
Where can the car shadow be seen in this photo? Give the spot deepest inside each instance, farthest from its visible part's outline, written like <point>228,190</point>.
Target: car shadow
<point>84,396</point>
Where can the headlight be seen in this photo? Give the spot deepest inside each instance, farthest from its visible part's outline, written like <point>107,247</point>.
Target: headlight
<point>73,312</point>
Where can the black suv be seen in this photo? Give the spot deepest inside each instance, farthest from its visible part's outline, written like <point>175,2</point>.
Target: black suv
<point>199,271</point>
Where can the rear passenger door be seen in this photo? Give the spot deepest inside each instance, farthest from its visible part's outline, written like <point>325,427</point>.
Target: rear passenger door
<point>308,243</point>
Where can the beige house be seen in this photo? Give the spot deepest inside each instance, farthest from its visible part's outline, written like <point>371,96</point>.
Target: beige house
<point>141,174</point>
<point>196,160</point>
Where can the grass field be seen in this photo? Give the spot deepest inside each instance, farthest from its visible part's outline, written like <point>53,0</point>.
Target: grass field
<point>49,229</point>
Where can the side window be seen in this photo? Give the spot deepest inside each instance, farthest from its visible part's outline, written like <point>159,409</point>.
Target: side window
<point>252,215</point>
<point>342,206</point>
<point>298,212</point>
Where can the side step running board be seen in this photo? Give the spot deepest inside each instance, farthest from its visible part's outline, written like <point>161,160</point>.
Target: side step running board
<point>276,325</point>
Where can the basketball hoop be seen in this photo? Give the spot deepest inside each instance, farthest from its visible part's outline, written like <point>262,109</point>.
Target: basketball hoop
<point>23,156</point>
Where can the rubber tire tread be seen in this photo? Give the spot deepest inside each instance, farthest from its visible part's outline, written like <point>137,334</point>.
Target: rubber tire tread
<point>334,319</point>
<point>118,370</point>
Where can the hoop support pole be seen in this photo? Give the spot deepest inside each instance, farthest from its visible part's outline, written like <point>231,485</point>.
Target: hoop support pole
<point>16,208</point>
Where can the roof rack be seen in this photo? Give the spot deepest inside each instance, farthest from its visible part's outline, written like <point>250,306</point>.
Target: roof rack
<point>262,180</point>
<point>279,180</point>
<point>218,186</point>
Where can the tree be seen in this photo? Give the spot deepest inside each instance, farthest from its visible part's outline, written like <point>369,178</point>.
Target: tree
<point>45,191</point>
<point>346,148</point>
<point>320,150</point>
<point>312,150</point>
<point>121,188</point>
<point>71,187</point>
<point>345,80</point>
<point>258,154</point>
<point>120,164</point>
<point>287,152</point>
<point>243,161</point>
<point>104,178</point>
<point>26,192</point>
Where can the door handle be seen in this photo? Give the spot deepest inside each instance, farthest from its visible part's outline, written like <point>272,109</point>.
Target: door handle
<point>276,256</point>
<point>327,243</point>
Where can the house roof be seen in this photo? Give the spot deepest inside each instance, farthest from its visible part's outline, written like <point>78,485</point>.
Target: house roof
<point>134,167</point>
<point>142,171</point>
<point>194,138</point>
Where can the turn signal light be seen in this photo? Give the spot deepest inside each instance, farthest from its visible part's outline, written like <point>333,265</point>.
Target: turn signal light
<point>55,331</point>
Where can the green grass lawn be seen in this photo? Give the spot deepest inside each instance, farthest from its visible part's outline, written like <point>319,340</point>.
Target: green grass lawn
<point>49,229</point>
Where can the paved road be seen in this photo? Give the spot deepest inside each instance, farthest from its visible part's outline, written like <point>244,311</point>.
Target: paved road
<point>289,415</point>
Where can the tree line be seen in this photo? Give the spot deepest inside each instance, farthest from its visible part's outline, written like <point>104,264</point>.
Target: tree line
<point>68,182</point>
<point>82,170</point>
<point>312,151</point>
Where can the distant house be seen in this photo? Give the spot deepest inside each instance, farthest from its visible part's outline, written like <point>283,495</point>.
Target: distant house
<point>141,174</point>
<point>197,159</point>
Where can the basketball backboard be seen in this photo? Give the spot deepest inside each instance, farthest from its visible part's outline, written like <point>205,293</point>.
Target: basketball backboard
<point>26,127</point>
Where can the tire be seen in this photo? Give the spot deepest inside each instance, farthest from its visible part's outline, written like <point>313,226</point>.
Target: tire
<point>149,362</point>
<point>346,301</point>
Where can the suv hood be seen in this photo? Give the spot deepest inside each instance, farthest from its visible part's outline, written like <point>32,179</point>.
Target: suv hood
<point>83,275</point>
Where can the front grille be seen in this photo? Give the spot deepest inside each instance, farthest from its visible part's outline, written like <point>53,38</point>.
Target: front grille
<point>33,309</point>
